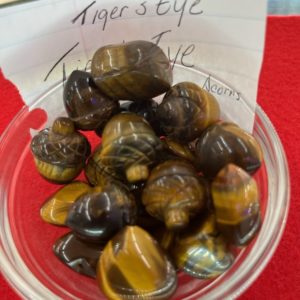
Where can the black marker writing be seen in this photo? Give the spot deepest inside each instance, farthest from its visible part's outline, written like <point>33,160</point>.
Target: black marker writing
<point>83,14</point>
<point>159,7</point>
<point>143,9</point>
<point>182,52</point>
<point>180,7</point>
<point>159,36</point>
<point>188,51</point>
<point>173,61</point>
<point>192,12</point>
<point>180,10</point>
<point>60,59</point>
<point>104,15</point>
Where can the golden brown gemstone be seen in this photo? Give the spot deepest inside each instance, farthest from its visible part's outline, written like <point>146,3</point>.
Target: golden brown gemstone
<point>60,152</point>
<point>236,201</point>
<point>146,109</point>
<point>144,220</point>
<point>201,251</point>
<point>129,147</point>
<point>179,150</point>
<point>132,266</point>
<point>85,104</point>
<point>225,143</point>
<point>56,208</point>
<point>173,193</point>
<point>81,256</point>
<point>136,70</point>
<point>101,213</point>
<point>186,111</point>
<point>96,172</point>
<point>164,237</point>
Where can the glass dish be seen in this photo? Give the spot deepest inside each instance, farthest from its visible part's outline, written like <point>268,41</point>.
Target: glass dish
<point>26,256</point>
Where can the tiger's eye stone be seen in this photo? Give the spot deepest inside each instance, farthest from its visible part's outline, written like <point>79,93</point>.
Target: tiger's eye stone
<point>146,109</point>
<point>173,193</point>
<point>201,251</point>
<point>144,220</point>
<point>81,256</point>
<point>132,266</point>
<point>86,106</point>
<point>56,208</point>
<point>98,173</point>
<point>135,70</point>
<point>225,143</point>
<point>179,150</point>
<point>98,215</point>
<point>186,111</point>
<point>236,201</point>
<point>60,152</point>
<point>164,237</point>
<point>129,147</point>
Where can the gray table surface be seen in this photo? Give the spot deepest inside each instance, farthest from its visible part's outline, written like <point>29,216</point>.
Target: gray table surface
<point>284,7</point>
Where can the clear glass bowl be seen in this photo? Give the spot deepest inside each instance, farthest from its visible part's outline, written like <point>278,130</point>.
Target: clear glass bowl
<point>26,254</point>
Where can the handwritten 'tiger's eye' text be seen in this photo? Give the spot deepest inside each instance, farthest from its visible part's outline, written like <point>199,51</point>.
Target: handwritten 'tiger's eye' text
<point>92,15</point>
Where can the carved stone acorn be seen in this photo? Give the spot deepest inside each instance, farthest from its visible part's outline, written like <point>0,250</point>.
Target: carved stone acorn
<point>81,256</point>
<point>129,147</point>
<point>60,152</point>
<point>135,70</point>
<point>98,215</point>
<point>86,106</point>
<point>146,109</point>
<point>236,201</point>
<point>56,208</point>
<point>173,193</point>
<point>224,143</point>
<point>133,266</point>
<point>201,251</point>
<point>186,111</point>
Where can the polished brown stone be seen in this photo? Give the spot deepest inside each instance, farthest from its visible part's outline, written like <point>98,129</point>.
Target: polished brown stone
<point>129,147</point>
<point>133,266</point>
<point>200,251</point>
<point>186,111</point>
<point>173,193</point>
<point>87,107</point>
<point>225,143</point>
<point>98,215</point>
<point>60,152</point>
<point>56,208</point>
<point>236,201</point>
<point>81,256</point>
<point>135,70</point>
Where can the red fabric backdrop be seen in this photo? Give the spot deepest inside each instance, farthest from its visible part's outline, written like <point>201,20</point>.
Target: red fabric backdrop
<point>279,96</point>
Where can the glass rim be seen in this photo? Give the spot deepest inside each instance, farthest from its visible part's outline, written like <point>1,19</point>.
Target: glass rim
<point>251,267</point>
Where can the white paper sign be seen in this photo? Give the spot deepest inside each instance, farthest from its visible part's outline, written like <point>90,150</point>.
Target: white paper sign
<point>42,42</point>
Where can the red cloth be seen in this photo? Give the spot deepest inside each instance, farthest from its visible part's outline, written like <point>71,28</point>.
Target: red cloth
<point>279,93</point>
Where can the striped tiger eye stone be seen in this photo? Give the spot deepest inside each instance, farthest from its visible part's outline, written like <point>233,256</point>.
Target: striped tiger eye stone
<point>81,256</point>
<point>201,252</point>
<point>60,152</point>
<point>174,194</point>
<point>133,266</point>
<point>224,143</point>
<point>186,110</point>
<point>55,209</point>
<point>179,150</point>
<point>236,200</point>
<point>98,215</point>
<point>136,70</point>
